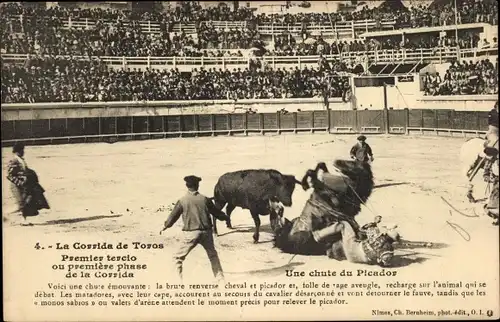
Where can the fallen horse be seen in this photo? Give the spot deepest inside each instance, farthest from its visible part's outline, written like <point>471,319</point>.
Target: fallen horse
<point>327,226</point>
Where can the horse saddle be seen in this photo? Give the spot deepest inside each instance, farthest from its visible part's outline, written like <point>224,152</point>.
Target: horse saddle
<point>335,182</point>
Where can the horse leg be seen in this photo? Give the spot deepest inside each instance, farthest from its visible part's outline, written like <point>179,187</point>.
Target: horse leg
<point>229,210</point>
<point>256,220</point>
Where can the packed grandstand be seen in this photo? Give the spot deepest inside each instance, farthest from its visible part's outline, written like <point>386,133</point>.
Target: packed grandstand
<point>192,51</point>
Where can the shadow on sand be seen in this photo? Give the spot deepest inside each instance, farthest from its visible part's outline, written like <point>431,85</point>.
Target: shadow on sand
<point>404,257</point>
<point>411,244</point>
<point>248,229</point>
<point>407,252</point>
<point>266,228</point>
<point>75,220</point>
<point>383,185</point>
<point>407,259</point>
<point>236,230</point>
<point>267,272</point>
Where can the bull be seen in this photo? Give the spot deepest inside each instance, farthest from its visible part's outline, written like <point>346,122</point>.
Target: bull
<point>263,192</point>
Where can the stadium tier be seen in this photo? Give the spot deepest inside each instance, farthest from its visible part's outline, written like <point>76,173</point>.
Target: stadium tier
<point>438,13</point>
<point>74,54</point>
<point>63,80</point>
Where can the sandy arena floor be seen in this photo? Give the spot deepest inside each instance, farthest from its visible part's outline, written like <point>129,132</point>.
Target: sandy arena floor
<point>119,192</point>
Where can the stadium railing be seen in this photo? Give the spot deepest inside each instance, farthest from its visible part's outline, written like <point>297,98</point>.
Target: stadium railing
<point>146,26</point>
<point>345,28</point>
<point>226,24</point>
<point>437,55</point>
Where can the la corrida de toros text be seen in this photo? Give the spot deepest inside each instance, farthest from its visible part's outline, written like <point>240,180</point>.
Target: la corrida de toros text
<point>104,266</point>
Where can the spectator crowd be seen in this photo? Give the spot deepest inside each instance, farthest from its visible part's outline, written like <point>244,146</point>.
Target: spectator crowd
<point>118,33</point>
<point>70,80</point>
<point>437,14</point>
<point>464,79</point>
<point>103,39</point>
<point>227,38</point>
<point>187,11</point>
<point>287,45</point>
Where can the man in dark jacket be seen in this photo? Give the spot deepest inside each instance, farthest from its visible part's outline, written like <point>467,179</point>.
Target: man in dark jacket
<point>361,151</point>
<point>195,209</point>
<point>493,123</point>
<point>26,190</point>
<point>491,144</point>
<point>491,207</point>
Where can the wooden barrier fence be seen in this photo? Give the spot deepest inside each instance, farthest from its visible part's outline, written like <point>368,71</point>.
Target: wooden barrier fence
<point>95,129</point>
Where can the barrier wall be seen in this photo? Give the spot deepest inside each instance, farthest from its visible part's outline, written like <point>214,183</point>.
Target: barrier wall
<point>24,111</point>
<point>112,128</point>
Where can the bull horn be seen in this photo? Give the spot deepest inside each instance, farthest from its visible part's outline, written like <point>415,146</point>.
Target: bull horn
<point>297,181</point>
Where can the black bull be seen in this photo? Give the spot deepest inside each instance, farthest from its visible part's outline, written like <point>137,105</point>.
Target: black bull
<point>255,190</point>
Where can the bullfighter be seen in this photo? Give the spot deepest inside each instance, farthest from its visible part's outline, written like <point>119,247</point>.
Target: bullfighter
<point>361,151</point>
<point>491,144</point>
<point>492,207</point>
<point>195,209</point>
<point>25,188</point>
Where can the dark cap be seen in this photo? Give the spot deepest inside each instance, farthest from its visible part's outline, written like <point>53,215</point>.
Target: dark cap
<point>361,138</point>
<point>18,147</point>
<point>192,180</point>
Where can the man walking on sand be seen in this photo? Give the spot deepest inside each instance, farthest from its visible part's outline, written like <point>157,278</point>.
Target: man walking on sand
<point>361,151</point>
<point>195,209</point>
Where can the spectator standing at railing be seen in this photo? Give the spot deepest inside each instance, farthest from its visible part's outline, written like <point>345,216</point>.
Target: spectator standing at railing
<point>323,64</point>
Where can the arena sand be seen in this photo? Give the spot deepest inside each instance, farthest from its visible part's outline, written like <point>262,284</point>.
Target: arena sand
<point>124,191</point>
